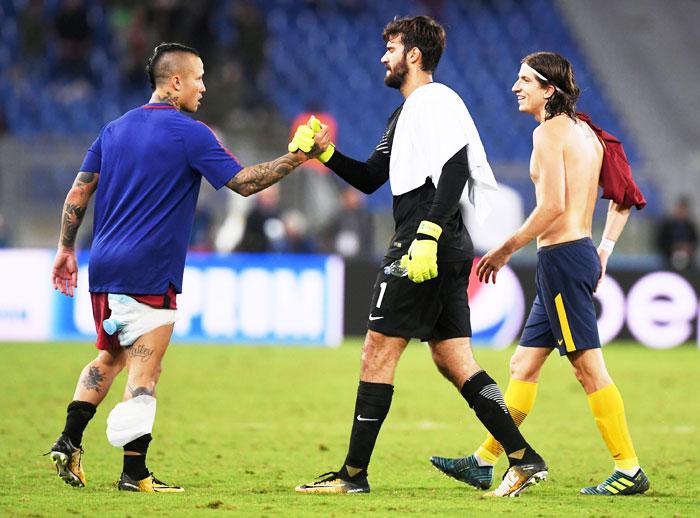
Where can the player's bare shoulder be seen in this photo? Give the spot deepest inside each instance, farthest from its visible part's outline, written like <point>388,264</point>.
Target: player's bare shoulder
<point>584,142</point>
<point>548,141</point>
<point>551,130</point>
<point>570,135</point>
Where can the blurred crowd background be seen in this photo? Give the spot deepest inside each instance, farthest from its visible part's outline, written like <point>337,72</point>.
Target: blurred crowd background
<point>69,66</point>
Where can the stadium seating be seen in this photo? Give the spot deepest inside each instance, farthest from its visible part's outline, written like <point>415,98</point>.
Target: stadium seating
<point>322,56</point>
<point>329,56</point>
<point>328,59</point>
<point>35,100</point>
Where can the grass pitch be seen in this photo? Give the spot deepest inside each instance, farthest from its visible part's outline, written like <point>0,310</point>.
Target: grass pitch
<point>239,427</point>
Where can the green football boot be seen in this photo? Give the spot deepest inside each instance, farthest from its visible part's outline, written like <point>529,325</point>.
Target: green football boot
<point>465,469</point>
<point>619,484</point>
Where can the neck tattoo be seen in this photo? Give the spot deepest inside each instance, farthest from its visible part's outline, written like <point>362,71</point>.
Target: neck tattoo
<point>170,99</point>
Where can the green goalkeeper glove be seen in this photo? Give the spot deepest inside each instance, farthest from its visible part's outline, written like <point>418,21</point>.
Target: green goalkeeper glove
<point>421,260</point>
<point>315,125</point>
<point>303,139</point>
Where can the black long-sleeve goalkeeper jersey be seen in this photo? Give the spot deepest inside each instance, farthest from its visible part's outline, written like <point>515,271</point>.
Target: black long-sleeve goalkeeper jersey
<point>438,204</point>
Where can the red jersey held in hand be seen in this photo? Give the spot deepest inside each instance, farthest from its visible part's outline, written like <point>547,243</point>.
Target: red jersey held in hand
<point>615,173</point>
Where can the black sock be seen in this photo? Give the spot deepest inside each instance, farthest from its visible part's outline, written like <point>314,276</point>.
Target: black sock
<point>485,398</point>
<point>135,465</point>
<point>78,416</point>
<point>371,408</point>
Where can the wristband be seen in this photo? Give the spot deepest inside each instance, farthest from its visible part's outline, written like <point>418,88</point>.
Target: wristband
<point>607,245</point>
<point>327,154</point>
<point>315,125</point>
<point>429,229</point>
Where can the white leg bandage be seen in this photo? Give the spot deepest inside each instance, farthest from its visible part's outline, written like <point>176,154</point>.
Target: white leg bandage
<point>131,419</point>
<point>136,319</point>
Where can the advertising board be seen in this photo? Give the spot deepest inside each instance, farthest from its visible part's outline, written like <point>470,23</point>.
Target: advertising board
<point>241,298</point>
<point>656,308</point>
<point>316,300</point>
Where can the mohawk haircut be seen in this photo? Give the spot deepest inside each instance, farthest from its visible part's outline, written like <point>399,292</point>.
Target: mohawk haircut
<point>154,66</point>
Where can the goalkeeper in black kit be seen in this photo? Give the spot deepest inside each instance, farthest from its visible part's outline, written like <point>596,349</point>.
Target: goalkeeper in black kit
<point>429,152</point>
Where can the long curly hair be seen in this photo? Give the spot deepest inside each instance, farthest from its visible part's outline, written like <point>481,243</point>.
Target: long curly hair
<point>556,71</point>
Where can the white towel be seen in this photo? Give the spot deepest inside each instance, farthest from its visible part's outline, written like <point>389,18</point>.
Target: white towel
<point>136,318</point>
<point>433,125</point>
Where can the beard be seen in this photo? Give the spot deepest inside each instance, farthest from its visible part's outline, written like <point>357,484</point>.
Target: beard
<point>397,77</point>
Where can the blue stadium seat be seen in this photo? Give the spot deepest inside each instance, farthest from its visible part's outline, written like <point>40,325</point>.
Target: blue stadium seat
<point>486,40</point>
<point>326,55</point>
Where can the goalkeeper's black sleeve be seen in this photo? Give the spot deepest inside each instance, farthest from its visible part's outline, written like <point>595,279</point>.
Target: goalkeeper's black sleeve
<point>454,176</point>
<point>364,176</point>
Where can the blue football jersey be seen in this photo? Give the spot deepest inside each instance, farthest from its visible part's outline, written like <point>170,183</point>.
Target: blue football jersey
<point>151,162</point>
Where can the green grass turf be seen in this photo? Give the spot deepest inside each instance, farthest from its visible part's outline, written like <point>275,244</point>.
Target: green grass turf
<point>239,427</point>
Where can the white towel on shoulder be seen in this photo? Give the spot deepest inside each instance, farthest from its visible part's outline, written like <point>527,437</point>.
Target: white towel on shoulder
<point>433,125</point>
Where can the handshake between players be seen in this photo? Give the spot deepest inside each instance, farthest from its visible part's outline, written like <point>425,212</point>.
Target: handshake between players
<point>420,263</point>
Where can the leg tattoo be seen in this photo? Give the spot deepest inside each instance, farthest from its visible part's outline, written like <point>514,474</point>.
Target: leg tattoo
<point>140,391</point>
<point>93,378</point>
<point>140,351</point>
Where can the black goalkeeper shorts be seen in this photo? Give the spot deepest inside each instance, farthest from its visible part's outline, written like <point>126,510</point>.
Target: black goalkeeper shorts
<point>436,309</point>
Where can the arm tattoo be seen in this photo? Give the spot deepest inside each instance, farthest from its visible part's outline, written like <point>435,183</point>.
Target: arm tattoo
<point>72,218</point>
<point>75,206</point>
<point>139,351</point>
<point>93,378</point>
<point>140,391</point>
<point>255,178</point>
<point>84,179</point>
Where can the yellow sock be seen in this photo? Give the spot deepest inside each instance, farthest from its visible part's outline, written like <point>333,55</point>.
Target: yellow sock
<point>609,413</point>
<point>520,398</point>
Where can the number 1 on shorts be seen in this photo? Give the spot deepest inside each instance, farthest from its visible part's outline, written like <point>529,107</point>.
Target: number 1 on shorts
<point>382,289</point>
